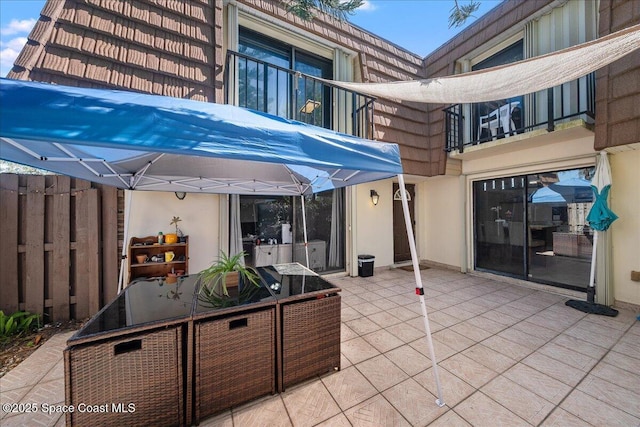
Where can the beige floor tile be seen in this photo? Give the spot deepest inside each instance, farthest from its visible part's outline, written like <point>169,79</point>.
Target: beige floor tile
<point>418,323</point>
<point>410,360</point>
<point>384,304</point>
<point>362,326</point>
<point>221,420</point>
<point>442,351</point>
<point>450,419</point>
<point>522,402</point>
<point>353,299</point>
<point>269,411</point>
<point>568,356</point>
<point>622,361</point>
<point>39,418</point>
<point>339,420</point>
<point>405,332</point>
<point>562,418</point>
<point>594,333</point>
<point>458,312</point>
<point>384,319</point>
<point>454,390</point>
<point>522,338</point>
<point>597,412</point>
<point>537,331</point>
<point>515,311</point>
<point>349,387</point>
<point>500,317</point>
<point>346,333</point>
<point>383,340</point>
<point>403,313</point>
<point>508,348</point>
<point>357,350</point>
<point>453,339</point>
<point>626,346</point>
<point>474,333</point>
<point>366,308</point>
<point>541,384</point>
<point>443,318</point>
<point>626,379</point>
<point>580,346</point>
<point>612,394</point>
<point>490,358</point>
<point>468,370</point>
<point>554,368</point>
<point>480,410</point>
<point>347,313</point>
<point>309,404</point>
<point>344,362</point>
<point>376,412</point>
<point>486,324</point>
<point>414,403</point>
<point>381,372</point>
<point>402,300</point>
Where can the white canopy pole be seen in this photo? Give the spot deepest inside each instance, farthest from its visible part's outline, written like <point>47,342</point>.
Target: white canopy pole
<point>419,289</point>
<point>127,209</point>
<point>304,231</point>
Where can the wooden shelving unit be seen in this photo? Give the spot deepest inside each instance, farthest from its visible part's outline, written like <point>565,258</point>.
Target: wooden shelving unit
<point>148,246</point>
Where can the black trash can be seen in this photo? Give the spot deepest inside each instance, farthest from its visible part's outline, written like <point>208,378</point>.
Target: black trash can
<point>365,265</point>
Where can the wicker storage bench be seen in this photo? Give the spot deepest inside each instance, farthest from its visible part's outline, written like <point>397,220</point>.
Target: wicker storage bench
<point>310,342</point>
<point>234,359</point>
<point>308,323</point>
<point>132,380</point>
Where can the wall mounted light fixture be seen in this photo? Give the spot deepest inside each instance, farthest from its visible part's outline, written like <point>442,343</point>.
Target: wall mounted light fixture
<point>181,195</point>
<point>374,197</point>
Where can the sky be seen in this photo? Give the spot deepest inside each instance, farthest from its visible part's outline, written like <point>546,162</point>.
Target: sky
<point>420,26</point>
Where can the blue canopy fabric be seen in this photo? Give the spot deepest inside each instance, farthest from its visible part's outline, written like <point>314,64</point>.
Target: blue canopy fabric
<point>148,142</point>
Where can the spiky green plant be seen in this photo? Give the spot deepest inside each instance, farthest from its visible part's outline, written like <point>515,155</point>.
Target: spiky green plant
<point>213,281</point>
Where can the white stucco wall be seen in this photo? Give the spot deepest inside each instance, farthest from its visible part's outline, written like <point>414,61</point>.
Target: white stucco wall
<point>373,225</point>
<point>441,220</point>
<point>625,232</point>
<point>151,212</point>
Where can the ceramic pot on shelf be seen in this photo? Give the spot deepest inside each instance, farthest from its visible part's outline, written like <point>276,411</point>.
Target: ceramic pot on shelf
<point>170,239</point>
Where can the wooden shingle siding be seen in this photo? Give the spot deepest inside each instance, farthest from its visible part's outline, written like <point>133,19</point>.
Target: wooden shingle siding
<point>618,84</point>
<point>161,47</point>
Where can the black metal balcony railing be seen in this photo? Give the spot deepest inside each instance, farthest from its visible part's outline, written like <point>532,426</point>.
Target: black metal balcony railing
<point>473,124</point>
<point>258,85</point>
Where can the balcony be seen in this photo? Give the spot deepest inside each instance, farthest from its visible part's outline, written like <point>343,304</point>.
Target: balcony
<point>468,125</point>
<point>258,85</point>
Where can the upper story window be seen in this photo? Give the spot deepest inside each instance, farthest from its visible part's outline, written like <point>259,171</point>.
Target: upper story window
<point>504,116</point>
<point>267,84</point>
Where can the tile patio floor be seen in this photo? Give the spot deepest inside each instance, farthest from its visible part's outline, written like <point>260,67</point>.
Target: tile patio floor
<point>508,356</point>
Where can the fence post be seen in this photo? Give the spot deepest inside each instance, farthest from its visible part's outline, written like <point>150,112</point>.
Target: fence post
<point>9,248</point>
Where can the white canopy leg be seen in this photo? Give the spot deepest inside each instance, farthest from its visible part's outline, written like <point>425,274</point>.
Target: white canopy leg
<point>304,231</point>
<point>127,209</point>
<point>419,289</point>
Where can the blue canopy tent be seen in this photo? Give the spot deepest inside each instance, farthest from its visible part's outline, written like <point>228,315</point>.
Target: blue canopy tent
<point>146,142</point>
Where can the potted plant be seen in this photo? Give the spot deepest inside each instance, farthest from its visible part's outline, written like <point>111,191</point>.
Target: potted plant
<point>227,282</point>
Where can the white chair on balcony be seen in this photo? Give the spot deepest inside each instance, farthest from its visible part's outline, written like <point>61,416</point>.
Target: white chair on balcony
<point>500,117</point>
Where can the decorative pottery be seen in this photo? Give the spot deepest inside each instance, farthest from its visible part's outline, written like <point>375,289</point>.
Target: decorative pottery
<point>170,239</point>
<point>168,256</point>
<point>142,258</point>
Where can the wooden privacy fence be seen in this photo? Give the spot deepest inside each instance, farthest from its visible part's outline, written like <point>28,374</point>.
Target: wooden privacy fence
<point>60,241</point>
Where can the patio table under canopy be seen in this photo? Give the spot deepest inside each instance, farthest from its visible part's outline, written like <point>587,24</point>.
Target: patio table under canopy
<point>146,142</point>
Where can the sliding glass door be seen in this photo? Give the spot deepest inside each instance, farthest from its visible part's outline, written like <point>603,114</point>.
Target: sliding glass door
<point>534,227</point>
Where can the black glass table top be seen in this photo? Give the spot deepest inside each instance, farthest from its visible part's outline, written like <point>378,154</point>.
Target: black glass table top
<point>288,280</point>
<point>145,301</point>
